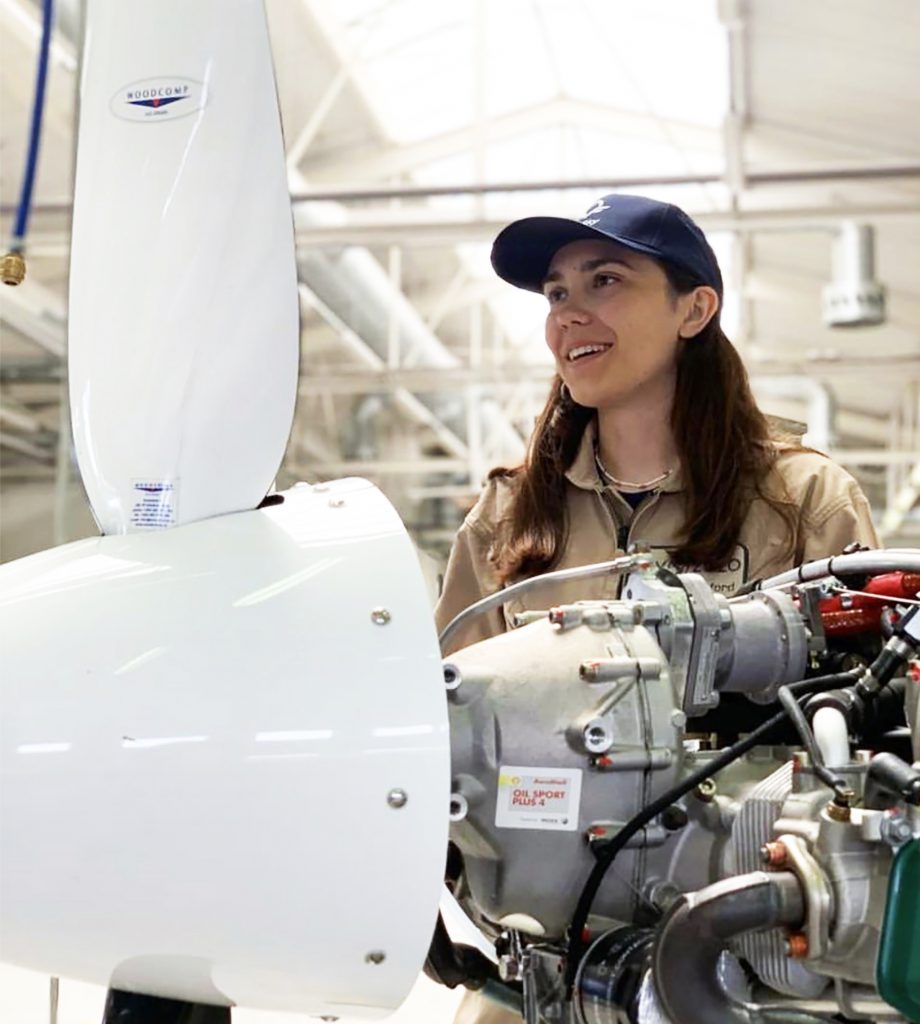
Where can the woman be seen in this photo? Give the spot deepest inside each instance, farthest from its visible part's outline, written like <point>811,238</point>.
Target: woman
<point>650,433</point>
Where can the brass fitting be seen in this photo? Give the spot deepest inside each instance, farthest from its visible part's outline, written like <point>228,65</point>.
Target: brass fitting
<point>839,808</point>
<point>12,268</point>
<point>797,945</point>
<point>838,812</point>
<point>706,791</point>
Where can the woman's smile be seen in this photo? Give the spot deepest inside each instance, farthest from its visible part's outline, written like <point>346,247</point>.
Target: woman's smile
<point>580,356</point>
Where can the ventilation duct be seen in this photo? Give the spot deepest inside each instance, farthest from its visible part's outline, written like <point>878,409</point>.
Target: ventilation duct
<point>355,285</point>
<point>854,298</point>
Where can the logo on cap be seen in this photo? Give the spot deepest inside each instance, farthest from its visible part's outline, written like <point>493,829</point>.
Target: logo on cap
<point>589,220</point>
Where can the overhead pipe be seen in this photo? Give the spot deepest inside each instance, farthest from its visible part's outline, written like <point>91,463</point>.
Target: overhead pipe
<point>612,184</point>
<point>359,289</point>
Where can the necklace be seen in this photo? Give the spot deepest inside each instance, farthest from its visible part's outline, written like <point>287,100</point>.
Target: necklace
<point>644,486</point>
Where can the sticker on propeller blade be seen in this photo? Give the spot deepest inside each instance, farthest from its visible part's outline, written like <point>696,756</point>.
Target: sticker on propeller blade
<point>155,503</point>
<point>159,99</point>
<point>538,798</point>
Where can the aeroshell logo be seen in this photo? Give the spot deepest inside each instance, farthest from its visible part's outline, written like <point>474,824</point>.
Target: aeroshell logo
<point>159,99</point>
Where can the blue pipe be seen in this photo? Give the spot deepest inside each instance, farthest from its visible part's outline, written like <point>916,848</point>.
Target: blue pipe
<point>38,107</point>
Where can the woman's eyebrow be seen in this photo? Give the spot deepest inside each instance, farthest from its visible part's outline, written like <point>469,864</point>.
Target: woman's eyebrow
<point>590,265</point>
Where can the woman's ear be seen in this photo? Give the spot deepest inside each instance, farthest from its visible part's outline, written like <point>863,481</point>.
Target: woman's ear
<point>704,304</point>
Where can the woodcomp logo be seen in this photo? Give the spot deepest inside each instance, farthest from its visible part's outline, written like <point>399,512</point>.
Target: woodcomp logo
<point>159,99</point>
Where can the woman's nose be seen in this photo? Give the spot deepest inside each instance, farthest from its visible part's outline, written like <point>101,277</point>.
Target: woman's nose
<point>570,313</point>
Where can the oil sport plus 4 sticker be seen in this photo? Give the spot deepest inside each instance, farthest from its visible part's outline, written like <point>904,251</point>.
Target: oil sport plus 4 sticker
<point>538,798</point>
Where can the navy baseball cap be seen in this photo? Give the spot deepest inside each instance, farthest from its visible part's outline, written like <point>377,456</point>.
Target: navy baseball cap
<point>522,252</point>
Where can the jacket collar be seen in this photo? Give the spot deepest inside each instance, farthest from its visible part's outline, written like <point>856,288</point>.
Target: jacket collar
<point>583,471</point>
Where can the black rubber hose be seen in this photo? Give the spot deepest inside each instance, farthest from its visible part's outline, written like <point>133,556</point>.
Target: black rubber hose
<point>451,964</point>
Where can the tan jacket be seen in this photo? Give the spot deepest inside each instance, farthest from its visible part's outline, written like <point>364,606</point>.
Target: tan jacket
<point>833,512</point>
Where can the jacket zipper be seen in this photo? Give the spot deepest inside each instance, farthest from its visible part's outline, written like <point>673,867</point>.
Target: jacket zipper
<point>623,531</point>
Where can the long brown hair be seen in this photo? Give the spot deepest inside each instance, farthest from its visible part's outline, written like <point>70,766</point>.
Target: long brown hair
<point>722,437</point>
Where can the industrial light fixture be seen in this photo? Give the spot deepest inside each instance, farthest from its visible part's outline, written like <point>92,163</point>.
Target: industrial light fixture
<point>854,298</point>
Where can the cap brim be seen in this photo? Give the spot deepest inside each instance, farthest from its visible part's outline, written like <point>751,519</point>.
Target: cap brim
<point>522,252</point>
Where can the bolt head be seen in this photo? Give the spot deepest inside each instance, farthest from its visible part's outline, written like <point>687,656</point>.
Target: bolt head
<point>896,830</point>
<point>397,798</point>
<point>597,737</point>
<point>380,616</point>
<point>452,676</point>
<point>376,956</point>
<point>773,854</point>
<point>459,808</point>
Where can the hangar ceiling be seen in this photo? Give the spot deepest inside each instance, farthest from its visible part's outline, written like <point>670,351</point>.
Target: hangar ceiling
<point>416,130</point>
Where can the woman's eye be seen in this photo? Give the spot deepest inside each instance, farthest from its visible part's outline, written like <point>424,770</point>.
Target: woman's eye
<point>555,295</point>
<point>602,280</point>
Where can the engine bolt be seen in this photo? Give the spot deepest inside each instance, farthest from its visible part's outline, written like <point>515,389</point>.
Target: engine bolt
<point>896,830</point>
<point>797,945</point>
<point>597,737</point>
<point>774,855</point>
<point>452,677</point>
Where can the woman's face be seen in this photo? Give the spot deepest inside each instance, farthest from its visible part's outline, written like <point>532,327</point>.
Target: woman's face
<point>613,324</point>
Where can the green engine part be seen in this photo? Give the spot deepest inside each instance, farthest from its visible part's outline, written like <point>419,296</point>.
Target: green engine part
<point>897,972</point>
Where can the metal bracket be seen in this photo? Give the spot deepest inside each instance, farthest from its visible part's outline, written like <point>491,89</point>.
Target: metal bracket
<point>816,890</point>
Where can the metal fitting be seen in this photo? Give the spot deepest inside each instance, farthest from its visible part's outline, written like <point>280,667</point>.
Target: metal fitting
<point>606,670</point>
<point>565,616</point>
<point>397,798</point>
<point>380,616</point>
<point>774,854</point>
<point>12,268</point>
<point>895,830</point>
<point>706,791</point>
<point>510,968</point>
<point>838,812</point>
<point>376,956</point>
<point>797,945</point>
